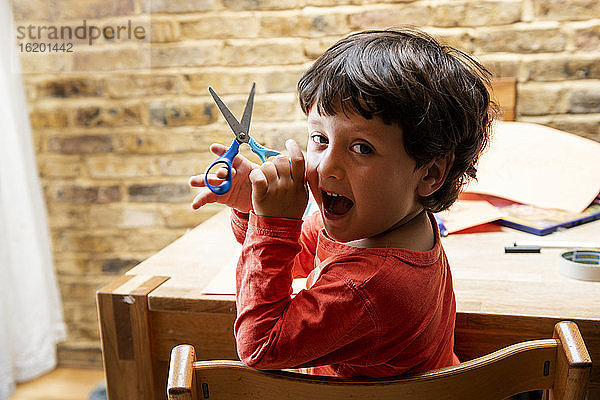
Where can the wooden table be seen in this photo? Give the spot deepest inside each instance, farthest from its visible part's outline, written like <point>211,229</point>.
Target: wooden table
<point>501,299</point>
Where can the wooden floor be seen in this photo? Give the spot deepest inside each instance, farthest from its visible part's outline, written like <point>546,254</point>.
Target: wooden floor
<point>60,384</point>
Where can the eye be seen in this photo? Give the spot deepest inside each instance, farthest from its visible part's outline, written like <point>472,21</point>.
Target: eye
<point>361,148</point>
<point>318,138</point>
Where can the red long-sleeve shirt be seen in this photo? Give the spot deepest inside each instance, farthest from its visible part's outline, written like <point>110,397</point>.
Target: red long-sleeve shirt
<point>366,312</point>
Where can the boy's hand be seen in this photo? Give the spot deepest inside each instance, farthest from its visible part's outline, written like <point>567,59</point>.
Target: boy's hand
<point>239,195</point>
<point>279,186</point>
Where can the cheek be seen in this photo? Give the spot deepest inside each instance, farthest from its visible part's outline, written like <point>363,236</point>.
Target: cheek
<point>311,170</point>
<point>311,161</point>
<point>380,193</point>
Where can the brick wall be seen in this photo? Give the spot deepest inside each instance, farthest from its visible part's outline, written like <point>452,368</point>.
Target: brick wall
<point>119,125</point>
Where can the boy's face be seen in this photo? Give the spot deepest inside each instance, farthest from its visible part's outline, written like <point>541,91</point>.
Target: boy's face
<point>360,175</point>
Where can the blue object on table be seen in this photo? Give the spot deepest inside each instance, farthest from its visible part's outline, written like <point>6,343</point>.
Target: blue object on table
<point>241,130</point>
<point>441,227</point>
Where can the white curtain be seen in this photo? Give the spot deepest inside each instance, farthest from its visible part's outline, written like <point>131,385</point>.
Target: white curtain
<point>31,321</point>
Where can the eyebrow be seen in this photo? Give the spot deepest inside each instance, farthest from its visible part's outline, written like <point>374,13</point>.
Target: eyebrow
<point>314,121</point>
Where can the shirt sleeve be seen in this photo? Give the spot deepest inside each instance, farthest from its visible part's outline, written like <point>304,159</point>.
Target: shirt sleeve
<point>309,234</point>
<point>328,323</point>
<point>239,225</point>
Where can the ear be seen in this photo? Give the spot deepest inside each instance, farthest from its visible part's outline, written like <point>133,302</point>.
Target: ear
<point>434,175</point>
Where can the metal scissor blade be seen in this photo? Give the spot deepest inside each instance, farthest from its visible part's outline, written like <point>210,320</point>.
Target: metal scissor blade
<point>245,122</point>
<point>229,117</point>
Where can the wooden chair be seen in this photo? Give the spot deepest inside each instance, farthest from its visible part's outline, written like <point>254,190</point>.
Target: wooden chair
<point>504,93</point>
<point>561,365</point>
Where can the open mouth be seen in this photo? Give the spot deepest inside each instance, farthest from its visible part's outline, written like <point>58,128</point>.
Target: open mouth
<point>336,205</point>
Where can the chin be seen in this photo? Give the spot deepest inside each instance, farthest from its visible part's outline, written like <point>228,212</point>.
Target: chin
<point>340,235</point>
<point>337,238</point>
<point>340,239</point>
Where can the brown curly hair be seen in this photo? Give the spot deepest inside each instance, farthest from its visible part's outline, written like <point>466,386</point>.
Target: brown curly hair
<point>435,93</point>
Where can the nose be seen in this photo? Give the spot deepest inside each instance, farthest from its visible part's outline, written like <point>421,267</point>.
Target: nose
<point>331,164</point>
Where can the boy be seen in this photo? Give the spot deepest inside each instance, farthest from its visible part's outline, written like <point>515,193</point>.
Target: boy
<point>396,123</point>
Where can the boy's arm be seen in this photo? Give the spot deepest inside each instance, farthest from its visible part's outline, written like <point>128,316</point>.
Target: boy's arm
<point>329,323</point>
<point>304,260</point>
<point>239,225</point>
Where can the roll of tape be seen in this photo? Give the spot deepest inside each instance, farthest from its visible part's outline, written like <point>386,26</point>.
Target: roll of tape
<point>581,264</point>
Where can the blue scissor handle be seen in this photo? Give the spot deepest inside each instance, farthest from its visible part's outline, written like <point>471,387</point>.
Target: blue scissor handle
<point>262,152</point>
<point>226,159</point>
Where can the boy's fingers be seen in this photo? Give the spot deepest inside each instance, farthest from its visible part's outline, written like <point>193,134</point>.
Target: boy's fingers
<point>203,197</point>
<point>222,173</point>
<point>218,149</point>
<point>282,167</point>
<point>259,184</point>
<point>296,160</point>
<point>198,180</point>
<point>269,172</point>
<point>220,170</point>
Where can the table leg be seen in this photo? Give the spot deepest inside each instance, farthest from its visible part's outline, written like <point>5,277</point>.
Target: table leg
<point>125,336</point>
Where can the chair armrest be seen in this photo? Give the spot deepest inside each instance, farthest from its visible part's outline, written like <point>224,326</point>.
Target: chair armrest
<point>181,373</point>
<point>573,361</point>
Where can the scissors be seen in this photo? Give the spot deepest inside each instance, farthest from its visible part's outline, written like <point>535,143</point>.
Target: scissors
<point>241,131</point>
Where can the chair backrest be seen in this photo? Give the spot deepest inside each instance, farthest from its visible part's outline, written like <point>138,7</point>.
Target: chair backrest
<point>561,365</point>
<point>504,93</point>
